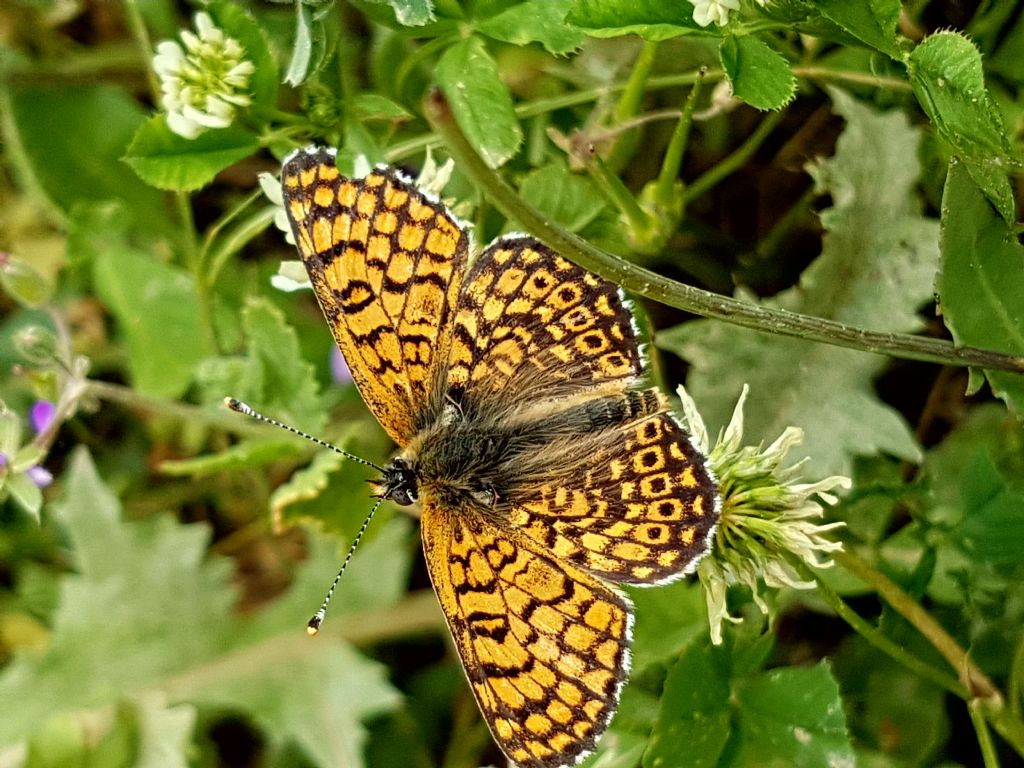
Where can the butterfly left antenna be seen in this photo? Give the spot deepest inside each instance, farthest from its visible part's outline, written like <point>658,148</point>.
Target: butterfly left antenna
<point>318,618</point>
<point>240,407</point>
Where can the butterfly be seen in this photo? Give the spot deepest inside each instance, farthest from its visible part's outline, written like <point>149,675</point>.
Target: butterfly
<point>547,473</point>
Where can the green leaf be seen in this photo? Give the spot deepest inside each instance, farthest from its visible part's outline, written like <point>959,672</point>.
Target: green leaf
<point>168,161</point>
<point>695,714</point>
<point>791,717</point>
<point>410,13</point>
<point>981,286</point>
<point>479,100</point>
<point>759,75</point>
<point>373,106</point>
<point>876,269</point>
<point>948,79</point>
<point>73,138</point>
<point>872,22</point>
<point>164,733</point>
<point>567,198</point>
<point>650,19</point>
<point>157,310</point>
<point>993,526</point>
<point>148,600</point>
<point>535,21</point>
<point>24,492</point>
<point>667,620</point>
<point>273,376</point>
<point>302,46</point>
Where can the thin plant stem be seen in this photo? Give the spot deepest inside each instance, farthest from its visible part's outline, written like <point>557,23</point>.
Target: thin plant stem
<point>988,749</point>
<point>879,640</point>
<point>646,283</point>
<point>971,676</point>
<point>735,160</point>
<point>617,193</point>
<point>673,160</point>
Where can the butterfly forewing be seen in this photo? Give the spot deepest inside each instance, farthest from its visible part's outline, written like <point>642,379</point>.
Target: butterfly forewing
<point>531,324</point>
<point>386,264</point>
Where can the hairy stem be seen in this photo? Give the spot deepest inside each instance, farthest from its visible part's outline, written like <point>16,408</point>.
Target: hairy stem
<point>653,286</point>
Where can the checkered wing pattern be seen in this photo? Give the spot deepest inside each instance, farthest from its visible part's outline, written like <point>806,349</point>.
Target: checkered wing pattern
<point>640,510</point>
<point>544,644</point>
<point>531,324</point>
<point>386,264</point>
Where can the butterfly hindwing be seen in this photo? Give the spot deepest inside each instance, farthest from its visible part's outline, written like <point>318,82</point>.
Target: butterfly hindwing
<point>386,263</point>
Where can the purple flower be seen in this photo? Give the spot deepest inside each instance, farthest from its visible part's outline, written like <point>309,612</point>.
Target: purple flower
<point>3,460</point>
<point>38,475</point>
<point>339,368</point>
<point>42,414</point>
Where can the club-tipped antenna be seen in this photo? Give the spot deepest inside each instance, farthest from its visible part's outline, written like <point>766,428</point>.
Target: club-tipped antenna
<point>318,618</point>
<point>240,407</point>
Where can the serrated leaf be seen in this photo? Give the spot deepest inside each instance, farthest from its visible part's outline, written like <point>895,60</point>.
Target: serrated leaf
<point>981,285</point>
<point>949,82</point>
<point>792,717</point>
<point>876,269</point>
<point>759,75</point>
<point>650,19</point>
<point>873,22</point>
<point>373,106</point>
<point>168,161</point>
<point>535,21</point>
<point>150,603</point>
<point>480,101</point>
<point>694,718</point>
<point>157,309</point>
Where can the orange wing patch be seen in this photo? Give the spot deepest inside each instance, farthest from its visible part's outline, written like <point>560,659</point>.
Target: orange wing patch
<point>544,644</point>
<point>386,264</point>
<point>532,323</point>
<point>642,513</point>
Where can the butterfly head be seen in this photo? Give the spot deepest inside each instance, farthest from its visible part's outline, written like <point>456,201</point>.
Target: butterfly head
<point>399,483</point>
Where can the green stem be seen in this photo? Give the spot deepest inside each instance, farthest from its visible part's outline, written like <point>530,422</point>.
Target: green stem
<point>673,160</point>
<point>735,160</point>
<point>985,696</point>
<point>988,750</point>
<point>613,188</point>
<point>635,87</point>
<point>857,78</point>
<point>653,286</point>
<point>874,636</point>
<point>137,25</point>
<point>970,674</point>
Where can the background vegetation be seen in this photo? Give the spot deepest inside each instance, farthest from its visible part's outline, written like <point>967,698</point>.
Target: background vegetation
<point>159,556</point>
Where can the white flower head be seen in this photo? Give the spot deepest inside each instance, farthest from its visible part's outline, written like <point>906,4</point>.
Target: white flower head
<point>769,519</point>
<point>204,79</point>
<point>717,11</point>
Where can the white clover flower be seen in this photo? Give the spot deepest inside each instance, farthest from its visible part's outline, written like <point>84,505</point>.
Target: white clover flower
<point>768,519</point>
<point>204,82</point>
<point>707,11</point>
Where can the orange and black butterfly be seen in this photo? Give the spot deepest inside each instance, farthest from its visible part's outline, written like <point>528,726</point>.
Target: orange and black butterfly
<point>547,474</point>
